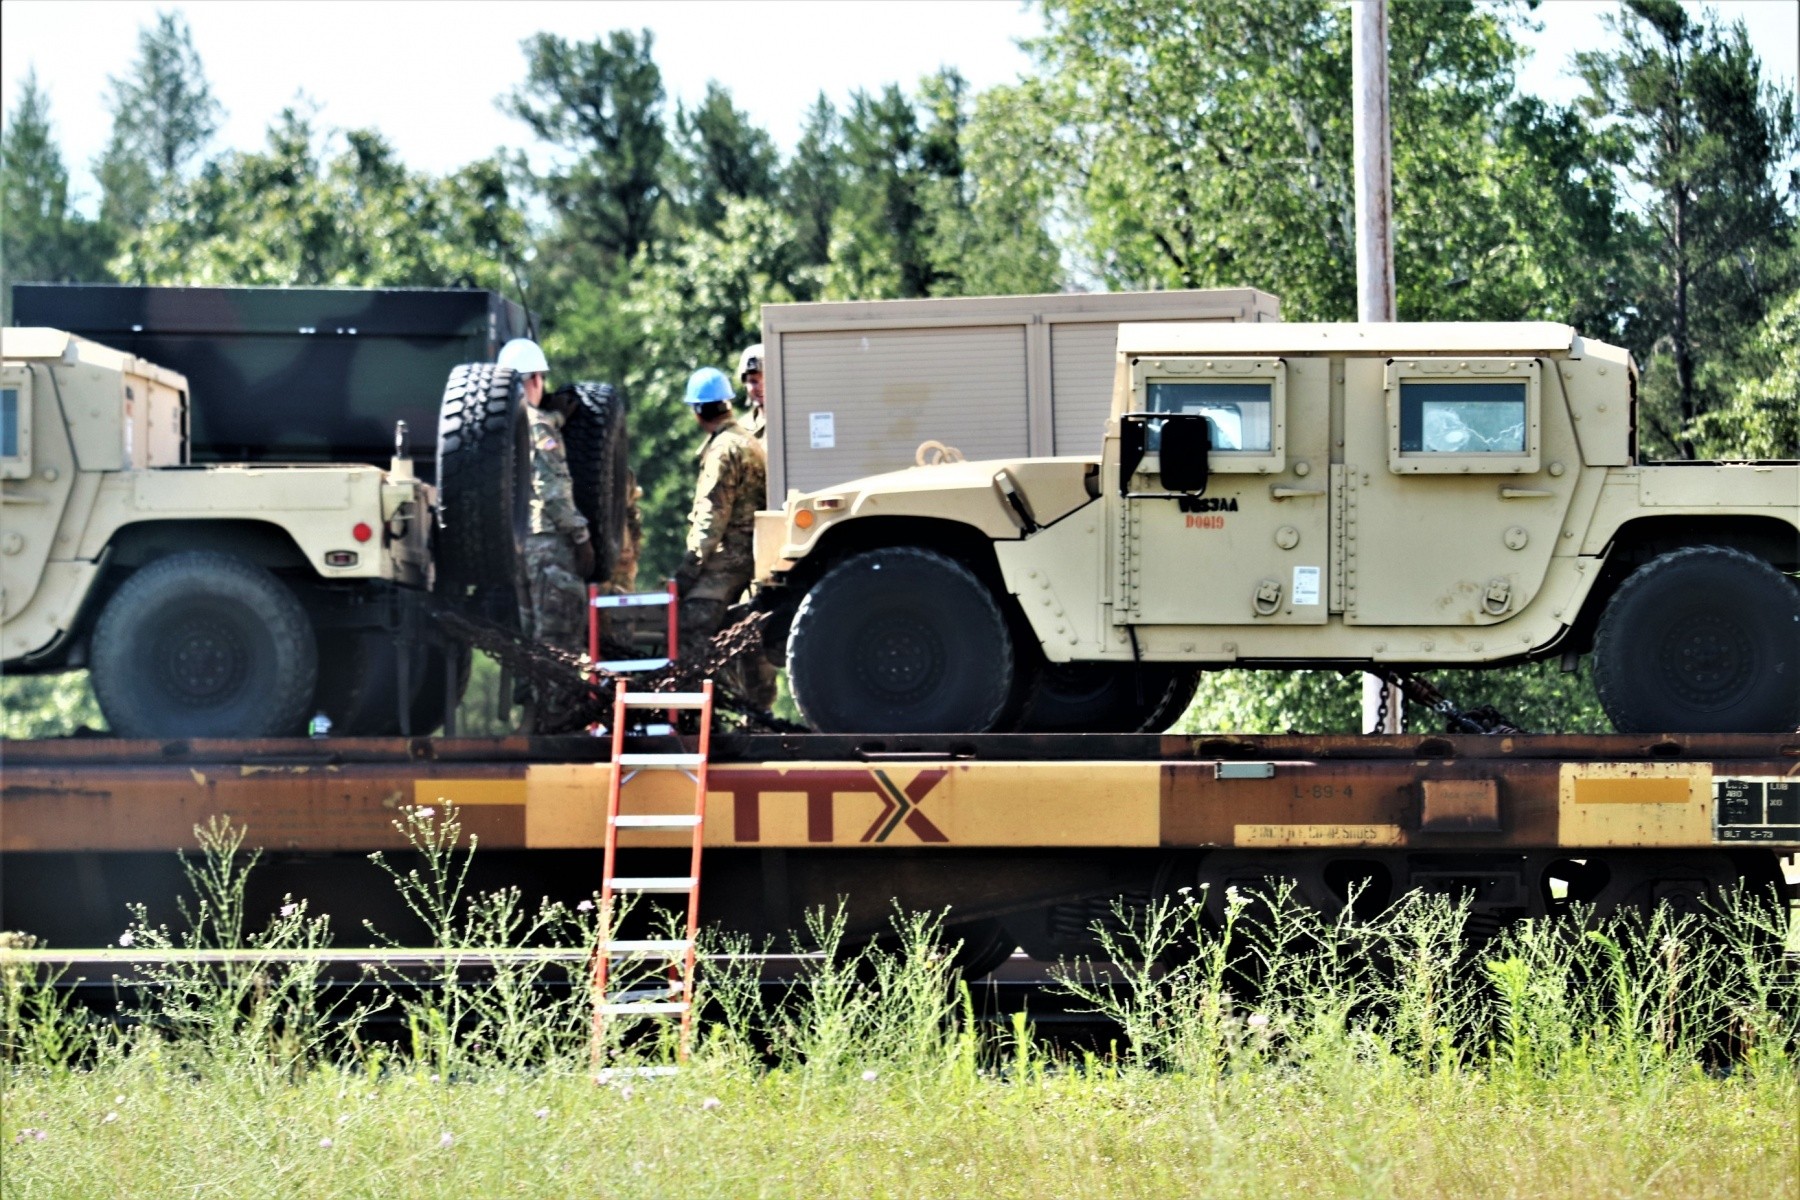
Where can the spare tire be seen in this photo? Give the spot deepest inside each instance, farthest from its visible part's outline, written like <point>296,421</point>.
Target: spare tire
<point>204,644</point>
<point>597,445</point>
<point>484,491</point>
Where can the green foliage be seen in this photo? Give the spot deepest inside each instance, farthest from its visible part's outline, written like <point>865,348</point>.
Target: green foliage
<point>37,706</point>
<point>1761,418</point>
<point>1708,141</point>
<point>1208,144</point>
<point>302,213</point>
<point>163,114</point>
<point>41,235</point>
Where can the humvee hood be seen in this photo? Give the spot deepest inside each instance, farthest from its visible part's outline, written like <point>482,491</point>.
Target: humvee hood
<point>974,493</point>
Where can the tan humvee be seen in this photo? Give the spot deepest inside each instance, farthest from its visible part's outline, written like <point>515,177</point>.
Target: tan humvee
<point>1287,495</point>
<point>193,593</point>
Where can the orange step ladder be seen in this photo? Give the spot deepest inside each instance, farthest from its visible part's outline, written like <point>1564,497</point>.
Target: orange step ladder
<point>679,952</point>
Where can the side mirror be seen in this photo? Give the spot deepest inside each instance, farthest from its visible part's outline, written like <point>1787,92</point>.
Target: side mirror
<point>1186,448</point>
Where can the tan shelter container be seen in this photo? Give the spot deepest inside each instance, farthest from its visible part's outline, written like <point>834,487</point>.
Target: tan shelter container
<point>854,388</point>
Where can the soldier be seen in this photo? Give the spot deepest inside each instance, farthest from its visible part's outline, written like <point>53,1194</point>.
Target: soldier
<point>721,528</point>
<point>559,551</point>
<point>750,371</point>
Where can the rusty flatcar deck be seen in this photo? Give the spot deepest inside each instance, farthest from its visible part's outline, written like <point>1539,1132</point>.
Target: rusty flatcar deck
<point>989,792</point>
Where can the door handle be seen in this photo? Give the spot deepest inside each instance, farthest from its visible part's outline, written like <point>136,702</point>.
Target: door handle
<point>1289,493</point>
<point>1507,493</point>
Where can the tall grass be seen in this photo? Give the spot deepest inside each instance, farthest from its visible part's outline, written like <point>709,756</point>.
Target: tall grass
<point>1275,1050</point>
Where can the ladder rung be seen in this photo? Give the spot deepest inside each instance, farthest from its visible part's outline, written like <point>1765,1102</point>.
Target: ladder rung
<point>656,821</point>
<point>632,600</point>
<point>661,760</point>
<point>642,1006</point>
<point>652,883</point>
<point>665,699</point>
<point>647,946</point>
<point>633,664</point>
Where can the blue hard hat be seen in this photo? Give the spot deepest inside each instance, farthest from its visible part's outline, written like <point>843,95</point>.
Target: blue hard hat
<point>707,385</point>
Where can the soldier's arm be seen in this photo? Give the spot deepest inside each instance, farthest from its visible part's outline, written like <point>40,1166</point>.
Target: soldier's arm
<point>555,489</point>
<point>713,496</point>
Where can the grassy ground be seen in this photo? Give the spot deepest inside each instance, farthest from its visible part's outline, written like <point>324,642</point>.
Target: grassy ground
<point>1280,1054</point>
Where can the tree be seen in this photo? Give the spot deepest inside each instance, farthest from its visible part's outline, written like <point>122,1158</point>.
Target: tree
<point>812,184</point>
<point>601,105</point>
<point>1208,144</point>
<point>1710,144</point>
<point>722,157</point>
<point>41,236</point>
<point>303,214</point>
<point>163,114</point>
<point>1761,417</point>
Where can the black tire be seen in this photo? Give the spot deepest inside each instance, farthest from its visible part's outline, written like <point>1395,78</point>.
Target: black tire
<point>900,640</point>
<point>484,491</point>
<point>1106,698</point>
<point>204,644</point>
<point>1701,640</point>
<point>598,452</point>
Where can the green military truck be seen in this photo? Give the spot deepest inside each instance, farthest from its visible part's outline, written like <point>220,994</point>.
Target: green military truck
<point>1393,497</point>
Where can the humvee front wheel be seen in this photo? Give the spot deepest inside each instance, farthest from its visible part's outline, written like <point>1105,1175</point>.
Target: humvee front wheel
<point>900,640</point>
<point>1701,640</point>
<point>204,645</point>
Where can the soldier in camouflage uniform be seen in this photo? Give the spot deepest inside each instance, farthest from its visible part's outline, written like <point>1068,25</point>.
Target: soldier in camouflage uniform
<point>759,673</point>
<point>559,551</point>
<point>719,561</point>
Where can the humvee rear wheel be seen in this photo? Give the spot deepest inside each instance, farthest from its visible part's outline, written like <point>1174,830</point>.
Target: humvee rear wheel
<point>1701,640</point>
<point>204,645</point>
<point>1109,698</point>
<point>900,640</point>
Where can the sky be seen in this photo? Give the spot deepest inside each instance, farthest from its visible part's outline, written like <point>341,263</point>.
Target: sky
<point>426,73</point>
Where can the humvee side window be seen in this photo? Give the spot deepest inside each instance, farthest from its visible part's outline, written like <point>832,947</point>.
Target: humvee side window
<point>15,425</point>
<point>1462,418</point>
<point>1238,412</point>
<point>9,423</point>
<point>1242,399</point>
<point>1463,415</point>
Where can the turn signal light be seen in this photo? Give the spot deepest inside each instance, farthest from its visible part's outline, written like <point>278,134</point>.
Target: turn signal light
<point>804,519</point>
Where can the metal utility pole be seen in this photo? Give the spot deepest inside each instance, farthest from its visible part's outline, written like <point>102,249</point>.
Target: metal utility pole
<point>1381,704</point>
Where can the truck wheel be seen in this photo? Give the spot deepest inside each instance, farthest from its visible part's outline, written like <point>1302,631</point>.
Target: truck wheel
<point>484,490</point>
<point>359,684</point>
<point>900,640</point>
<point>1105,698</point>
<point>1701,640</point>
<point>204,644</point>
<point>598,463</point>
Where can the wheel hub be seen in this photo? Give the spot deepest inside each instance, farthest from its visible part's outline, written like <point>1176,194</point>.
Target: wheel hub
<point>905,658</point>
<point>1707,662</point>
<point>203,660</point>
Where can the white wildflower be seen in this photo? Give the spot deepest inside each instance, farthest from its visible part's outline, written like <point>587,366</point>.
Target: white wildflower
<point>120,1099</point>
<point>109,1118</point>
<point>126,938</point>
<point>446,1140</point>
<point>425,814</point>
<point>871,1076</point>
<point>585,906</point>
<point>542,1114</point>
<point>324,1143</point>
<point>289,909</point>
<point>1257,1020</point>
<point>710,1103</point>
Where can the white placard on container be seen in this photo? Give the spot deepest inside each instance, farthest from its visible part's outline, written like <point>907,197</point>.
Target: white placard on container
<point>1306,585</point>
<point>824,431</point>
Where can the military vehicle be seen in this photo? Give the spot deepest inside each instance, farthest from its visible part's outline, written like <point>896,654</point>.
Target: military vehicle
<point>1393,497</point>
<point>218,600</point>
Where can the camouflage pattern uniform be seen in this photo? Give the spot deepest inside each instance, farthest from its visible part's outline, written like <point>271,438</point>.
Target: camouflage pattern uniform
<point>759,681</point>
<point>558,612</point>
<point>721,533</point>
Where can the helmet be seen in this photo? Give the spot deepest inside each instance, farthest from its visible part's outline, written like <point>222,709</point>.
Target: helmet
<point>707,385</point>
<point>523,356</point>
<point>750,360</point>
